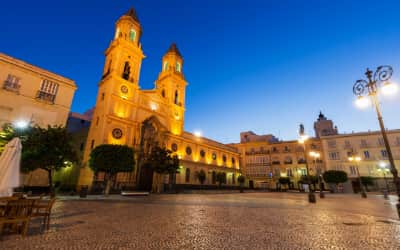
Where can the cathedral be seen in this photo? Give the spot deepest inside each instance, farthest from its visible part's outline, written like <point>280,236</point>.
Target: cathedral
<point>125,114</point>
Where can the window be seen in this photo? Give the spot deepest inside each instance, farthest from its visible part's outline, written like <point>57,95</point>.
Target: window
<point>81,147</point>
<point>176,97</point>
<point>97,121</point>
<point>289,172</point>
<point>187,175</point>
<point>303,171</point>
<point>214,156</point>
<point>364,143</point>
<point>188,150</point>
<point>384,153</point>
<point>11,83</point>
<point>353,170</point>
<point>224,158</point>
<point>233,161</point>
<point>92,144</point>
<point>132,35</point>
<point>178,67</point>
<point>233,179</point>
<point>286,149</point>
<point>214,177</point>
<point>332,144</point>
<point>380,142</point>
<point>163,93</point>
<point>334,156</point>
<point>166,66</point>
<point>127,71</point>
<point>174,147</point>
<point>366,154</point>
<point>202,153</point>
<point>102,96</point>
<point>47,91</point>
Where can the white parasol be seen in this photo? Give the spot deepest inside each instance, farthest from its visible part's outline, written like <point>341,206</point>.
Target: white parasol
<point>10,167</point>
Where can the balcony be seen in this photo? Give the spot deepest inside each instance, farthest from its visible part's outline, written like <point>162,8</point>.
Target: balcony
<point>11,86</point>
<point>301,161</point>
<point>45,97</point>
<point>288,162</point>
<point>276,162</point>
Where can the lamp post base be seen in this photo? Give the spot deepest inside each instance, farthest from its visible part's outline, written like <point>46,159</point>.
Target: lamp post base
<point>312,199</point>
<point>363,194</point>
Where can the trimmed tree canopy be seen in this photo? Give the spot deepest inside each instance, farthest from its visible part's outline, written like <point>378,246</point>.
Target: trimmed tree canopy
<point>241,179</point>
<point>112,159</point>
<point>367,180</point>
<point>284,180</point>
<point>163,161</point>
<point>335,176</point>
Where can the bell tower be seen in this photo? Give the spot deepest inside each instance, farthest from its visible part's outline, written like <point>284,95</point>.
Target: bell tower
<point>117,90</point>
<point>171,86</point>
<point>124,55</point>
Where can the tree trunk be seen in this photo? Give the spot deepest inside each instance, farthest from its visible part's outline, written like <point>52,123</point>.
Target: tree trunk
<point>157,182</point>
<point>108,184</point>
<point>50,177</point>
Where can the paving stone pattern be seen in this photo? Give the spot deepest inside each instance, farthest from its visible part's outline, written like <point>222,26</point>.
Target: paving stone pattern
<point>219,221</point>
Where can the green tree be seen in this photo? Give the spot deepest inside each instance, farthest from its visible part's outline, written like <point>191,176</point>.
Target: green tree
<point>220,177</point>
<point>335,177</point>
<point>284,181</point>
<point>162,161</point>
<point>367,181</point>
<point>48,148</point>
<point>111,159</point>
<point>241,181</point>
<point>313,180</point>
<point>201,176</point>
<point>8,132</point>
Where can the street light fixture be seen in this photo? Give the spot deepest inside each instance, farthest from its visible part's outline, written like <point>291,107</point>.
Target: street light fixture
<point>302,140</point>
<point>357,159</point>
<point>364,88</point>
<point>316,157</point>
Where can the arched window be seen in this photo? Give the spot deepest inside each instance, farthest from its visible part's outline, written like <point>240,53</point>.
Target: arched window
<point>166,66</point>
<point>187,175</point>
<point>132,35</point>
<point>178,67</point>
<point>163,93</point>
<point>127,71</point>
<point>176,97</point>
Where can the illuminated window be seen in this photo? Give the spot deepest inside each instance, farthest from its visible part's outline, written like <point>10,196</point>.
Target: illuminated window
<point>178,67</point>
<point>116,33</point>
<point>165,66</point>
<point>202,153</point>
<point>132,35</point>
<point>127,71</point>
<point>163,93</point>
<point>92,144</point>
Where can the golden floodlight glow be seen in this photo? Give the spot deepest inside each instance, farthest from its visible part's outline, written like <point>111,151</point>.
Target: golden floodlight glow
<point>153,106</point>
<point>389,89</point>
<point>21,124</point>
<point>362,102</point>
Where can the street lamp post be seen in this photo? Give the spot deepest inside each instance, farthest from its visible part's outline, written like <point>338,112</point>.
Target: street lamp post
<point>363,88</point>
<point>316,156</point>
<point>302,140</point>
<point>357,159</point>
<point>382,167</point>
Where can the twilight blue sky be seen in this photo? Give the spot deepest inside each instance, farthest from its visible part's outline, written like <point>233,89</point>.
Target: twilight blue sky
<point>257,65</point>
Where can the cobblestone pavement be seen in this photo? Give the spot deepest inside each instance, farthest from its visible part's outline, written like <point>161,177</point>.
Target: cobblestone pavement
<point>218,221</point>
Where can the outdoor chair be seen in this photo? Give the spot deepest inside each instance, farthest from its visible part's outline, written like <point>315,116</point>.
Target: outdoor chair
<point>42,208</point>
<point>17,215</point>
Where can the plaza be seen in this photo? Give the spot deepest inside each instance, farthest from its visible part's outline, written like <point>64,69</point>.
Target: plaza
<point>217,221</point>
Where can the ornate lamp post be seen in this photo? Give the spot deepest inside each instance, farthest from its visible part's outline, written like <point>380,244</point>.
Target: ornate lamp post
<point>357,159</point>
<point>302,140</point>
<point>316,156</point>
<point>379,81</point>
<point>382,167</point>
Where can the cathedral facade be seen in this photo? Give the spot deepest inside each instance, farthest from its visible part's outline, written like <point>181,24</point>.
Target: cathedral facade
<point>125,114</point>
